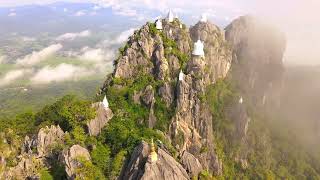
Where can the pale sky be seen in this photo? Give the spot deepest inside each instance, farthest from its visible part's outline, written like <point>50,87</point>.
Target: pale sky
<point>299,19</point>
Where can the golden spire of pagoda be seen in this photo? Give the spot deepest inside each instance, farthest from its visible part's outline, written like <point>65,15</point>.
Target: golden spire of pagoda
<point>153,157</point>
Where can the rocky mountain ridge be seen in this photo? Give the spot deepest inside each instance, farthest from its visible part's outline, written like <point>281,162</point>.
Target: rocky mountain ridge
<point>159,72</point>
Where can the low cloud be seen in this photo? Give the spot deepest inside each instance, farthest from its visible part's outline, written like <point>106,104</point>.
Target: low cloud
<point>96,7</point>
<point>96,55</point>
<point>39,56</point>
<point>92,54</point>
<point>80,13</point>
<point>121,38</point>
<point>63,72</point>
<point>125,35</point>
<point>26,39</point>
<point>72,36</point>
<point>11,76</point>
<point>12,14</point>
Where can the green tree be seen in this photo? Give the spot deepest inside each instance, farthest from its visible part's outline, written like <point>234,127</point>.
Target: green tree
<point>101,157</point>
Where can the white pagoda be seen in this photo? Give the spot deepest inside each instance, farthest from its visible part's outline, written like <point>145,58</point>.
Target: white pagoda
<point>170,32</point>
<point>177,17</point>
<point>204,18</point>
<point>241,100</point>
<point>170,16</point>
<point>181,76</point>
<point>105,103</point>
<point>159,24</point>
<point>198,49</point>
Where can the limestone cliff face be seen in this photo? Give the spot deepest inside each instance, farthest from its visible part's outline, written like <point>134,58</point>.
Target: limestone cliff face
<point>258,65</point>
<point>163,54</point>
<point>218,55</point>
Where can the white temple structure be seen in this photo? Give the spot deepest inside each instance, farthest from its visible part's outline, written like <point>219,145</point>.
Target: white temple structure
<point>241,100</point>
<point>105,103</point>
<point>170,16</point>
<point>170,32</point>
<point>181,76</point>
<point>204,18</point>
<point>159,24</point>
<point>177,17</point>
<point>180,26</point>
<point>198,49</point>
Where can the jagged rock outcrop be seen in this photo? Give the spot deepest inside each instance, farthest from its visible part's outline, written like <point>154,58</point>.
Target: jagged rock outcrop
<point>218,56</point>
<point>163,54</point>
<point>48,138</point>
<point>71,159</point>
<point>258,67</point>
<point>166,167</point>
<point>35,153</point>
<point>44,141</point>
<point>27,168</point>
<point>103,115</point>
<point>193,120</point>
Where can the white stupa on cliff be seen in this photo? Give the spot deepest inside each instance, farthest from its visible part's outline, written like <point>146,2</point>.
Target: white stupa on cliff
<point>241,100</point>
<point>159,24</point>
<point>105,103</point>
<point>204,18</point>
<point>198,49</point>
<point>176,16</point>
<point>170,16</point>
<point>181,76</point>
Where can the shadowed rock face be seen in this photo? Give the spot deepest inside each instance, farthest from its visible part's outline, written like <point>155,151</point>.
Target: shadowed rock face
<point>166,167</point>
<point>258,66</point>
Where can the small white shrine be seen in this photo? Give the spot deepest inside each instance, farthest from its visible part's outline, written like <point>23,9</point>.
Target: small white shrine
<point>170,32</point>
<point>159,24</point>
<point>198,49</point>
<point>105,103</point>
<point>181,76</point>
<point>241,100</point>
<point>180,26</point>
<point>170,16</point>
<point>176,16</point>
<point>204,18</point>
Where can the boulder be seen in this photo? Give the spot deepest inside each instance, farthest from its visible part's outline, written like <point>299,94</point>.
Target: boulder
<point>71,159</point>
<point>47,138</point>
